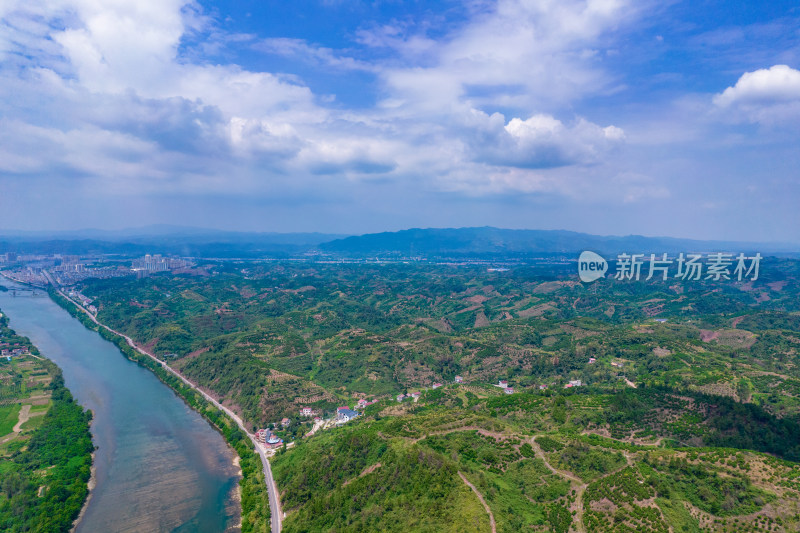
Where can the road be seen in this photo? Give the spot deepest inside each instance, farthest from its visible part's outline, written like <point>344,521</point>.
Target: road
<point>272,489</point>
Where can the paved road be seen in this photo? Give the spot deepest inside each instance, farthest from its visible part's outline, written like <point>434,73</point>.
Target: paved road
<point>272,489</point>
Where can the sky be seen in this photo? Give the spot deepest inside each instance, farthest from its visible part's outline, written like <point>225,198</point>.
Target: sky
<point>612,117</point>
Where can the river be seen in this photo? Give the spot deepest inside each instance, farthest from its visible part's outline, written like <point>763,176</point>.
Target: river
<point>159,465</point>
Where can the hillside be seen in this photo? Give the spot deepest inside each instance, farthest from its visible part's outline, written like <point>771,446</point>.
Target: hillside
<point>541,462</point>
<point>688,391</point>
<point>271,339</point>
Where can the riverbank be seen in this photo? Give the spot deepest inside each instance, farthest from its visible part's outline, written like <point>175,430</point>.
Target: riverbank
<point>256,495</point>
<point>90,486</point>
<point>47,459</point>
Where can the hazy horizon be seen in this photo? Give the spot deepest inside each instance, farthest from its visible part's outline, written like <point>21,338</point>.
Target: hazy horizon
<point>166,230</point>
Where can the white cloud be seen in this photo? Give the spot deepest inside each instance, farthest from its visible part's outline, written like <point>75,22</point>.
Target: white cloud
<point>319,55</point>
<point>768,96</point>
<point>108,96</point>
<point>536,53</point>
<point>540,141</point>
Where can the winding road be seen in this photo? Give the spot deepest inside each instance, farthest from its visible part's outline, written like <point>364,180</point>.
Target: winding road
<point>274,502</point>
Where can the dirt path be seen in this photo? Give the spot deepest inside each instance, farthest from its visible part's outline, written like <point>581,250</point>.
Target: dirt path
<point>483,502</point>
<point>317,425</point>
<point>24,416</point>
<point>579,490</point>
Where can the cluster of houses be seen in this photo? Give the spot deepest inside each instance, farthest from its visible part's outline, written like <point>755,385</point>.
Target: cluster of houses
<point>503,384</point>
<point>8,350</point>
<point>84,301</point>
<point>345,414</point>
<point>414,395</point>
<point>268,438</point>
<point>362,403</point>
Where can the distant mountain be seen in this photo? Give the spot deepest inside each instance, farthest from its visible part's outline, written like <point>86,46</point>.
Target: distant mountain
<point>510,242</point>
<point>429,243</point>
<point>184,241</point>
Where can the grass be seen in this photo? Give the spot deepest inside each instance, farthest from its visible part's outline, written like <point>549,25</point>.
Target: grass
<point>32,423</point>
<point>678,516</point>
<point>41,408</point>
<point>9,415</point>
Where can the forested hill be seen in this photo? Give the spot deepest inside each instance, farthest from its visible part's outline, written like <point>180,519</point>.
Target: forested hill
<point>510,242</point>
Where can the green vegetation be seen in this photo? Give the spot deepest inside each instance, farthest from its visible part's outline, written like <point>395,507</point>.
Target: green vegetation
<point>255,502</point>
<point>45,467</point>
<point>339,479</point>
<point>8,418</point>
<point>684,423</point>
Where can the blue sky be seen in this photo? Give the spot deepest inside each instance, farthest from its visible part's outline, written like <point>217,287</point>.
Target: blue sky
<point>603,116</point>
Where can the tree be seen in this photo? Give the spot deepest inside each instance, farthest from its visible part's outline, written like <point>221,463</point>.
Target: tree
<point>744,389</point>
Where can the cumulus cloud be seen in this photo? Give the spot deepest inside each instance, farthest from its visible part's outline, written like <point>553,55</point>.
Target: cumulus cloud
<point>540,141</point>
<point>544,52</point>
<point>769,96</point>
<point>107,94</point>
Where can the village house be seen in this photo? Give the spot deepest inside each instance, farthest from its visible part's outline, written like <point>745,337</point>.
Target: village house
<point>306,411</point>
<point>273,441</point>
<point>285,422</point>
<point>573,383</point>
<point>436,386</point>
<point>459,379</point>
<point>502,384</point>
<point>401,397</point>
<point>592,360</point>
<point>509,390</point>
<point>344,414</point>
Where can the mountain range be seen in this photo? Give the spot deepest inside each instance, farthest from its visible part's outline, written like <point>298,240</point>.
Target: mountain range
<point>414,243</point>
